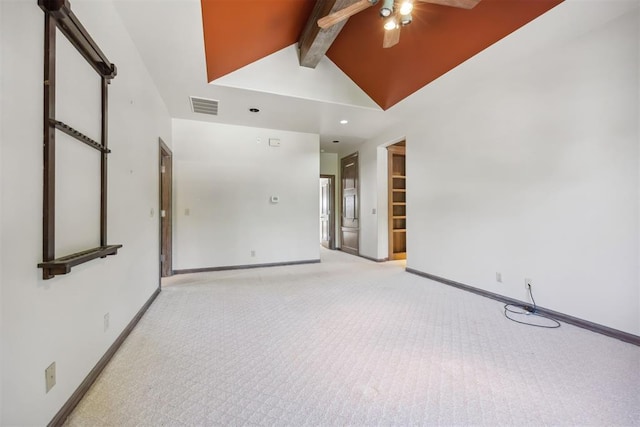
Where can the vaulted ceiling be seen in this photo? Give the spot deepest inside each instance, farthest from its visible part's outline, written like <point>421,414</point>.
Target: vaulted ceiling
<point>439,39</point>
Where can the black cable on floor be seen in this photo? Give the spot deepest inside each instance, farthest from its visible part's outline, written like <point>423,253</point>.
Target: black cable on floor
<point>529,311</point>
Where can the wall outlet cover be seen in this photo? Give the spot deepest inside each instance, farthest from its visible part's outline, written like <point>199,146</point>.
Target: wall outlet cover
<point>50,376</point>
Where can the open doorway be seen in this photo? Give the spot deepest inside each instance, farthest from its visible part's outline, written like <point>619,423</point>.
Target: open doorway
<point>397,201</point>
<point>166,174</point>
<point>327,224</point>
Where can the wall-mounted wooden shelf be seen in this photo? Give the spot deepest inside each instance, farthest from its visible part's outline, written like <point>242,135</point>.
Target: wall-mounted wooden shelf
<point>59,17</point>
<point>63,265</point>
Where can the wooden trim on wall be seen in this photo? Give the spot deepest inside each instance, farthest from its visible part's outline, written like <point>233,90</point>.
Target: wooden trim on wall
<point>166,224</point>
<point>58,16</point>
<point>104,134</point>
<point>66,410</point>
<point>244,267</point>
<point>581,323</point>
<point>372,258</point>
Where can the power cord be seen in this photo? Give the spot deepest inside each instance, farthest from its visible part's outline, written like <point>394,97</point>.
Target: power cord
<point>529,311</point>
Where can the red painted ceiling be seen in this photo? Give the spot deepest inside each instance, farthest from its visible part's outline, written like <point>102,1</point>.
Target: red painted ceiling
<point>239,32</point>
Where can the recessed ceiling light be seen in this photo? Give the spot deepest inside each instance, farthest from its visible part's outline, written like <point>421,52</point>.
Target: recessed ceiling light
<point>335,141</point>
<point>344,122</point>
<point>254,110</point>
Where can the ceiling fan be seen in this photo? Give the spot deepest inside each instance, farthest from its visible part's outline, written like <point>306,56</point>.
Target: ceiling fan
<point>397,13</point>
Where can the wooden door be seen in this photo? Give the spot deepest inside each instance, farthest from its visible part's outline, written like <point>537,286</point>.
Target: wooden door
<point>397,202</point>
<point>350,224</point>
<point>327,228</point>
<point>166,173</point>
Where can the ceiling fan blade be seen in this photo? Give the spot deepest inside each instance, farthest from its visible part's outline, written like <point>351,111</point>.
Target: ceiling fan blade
<point>463,4</point>
<point>343,14</point>
<point>391,37</point>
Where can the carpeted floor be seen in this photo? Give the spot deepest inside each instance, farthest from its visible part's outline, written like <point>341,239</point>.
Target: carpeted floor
<point>352,342</point>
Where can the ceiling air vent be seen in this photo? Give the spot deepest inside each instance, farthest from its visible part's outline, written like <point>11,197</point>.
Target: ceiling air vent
<point>204,106</point>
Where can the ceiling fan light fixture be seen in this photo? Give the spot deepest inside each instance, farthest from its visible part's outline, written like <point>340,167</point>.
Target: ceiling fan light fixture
<point>387,8</point>
<point>406,7</point>
<point>405,19</point>
<point>391,24</point>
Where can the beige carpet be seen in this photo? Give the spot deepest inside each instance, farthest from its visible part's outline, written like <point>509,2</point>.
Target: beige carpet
<point>352,342</point>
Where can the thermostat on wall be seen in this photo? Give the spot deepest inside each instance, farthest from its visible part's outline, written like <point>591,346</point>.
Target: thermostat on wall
<point>274,142</point>
<point>275,199</point>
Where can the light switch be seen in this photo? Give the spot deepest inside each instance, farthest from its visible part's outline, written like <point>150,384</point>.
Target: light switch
<point>273,142</point>
<point>275,199</point>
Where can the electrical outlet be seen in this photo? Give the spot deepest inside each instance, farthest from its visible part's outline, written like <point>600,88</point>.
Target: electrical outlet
<point>498,277</point>
<point>50,376</point>
<point>106,322</point>
<point>253,253</point>
<point>527,283</point>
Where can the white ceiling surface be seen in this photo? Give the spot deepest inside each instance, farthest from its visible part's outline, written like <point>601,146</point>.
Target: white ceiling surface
<point>280,73</point>
<point>168,34</point>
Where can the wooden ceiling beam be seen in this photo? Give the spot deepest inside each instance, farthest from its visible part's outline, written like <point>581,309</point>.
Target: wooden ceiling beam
<point>314,41</point>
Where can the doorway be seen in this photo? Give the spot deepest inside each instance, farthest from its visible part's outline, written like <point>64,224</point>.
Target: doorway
<point>327,225</point>
<point>350,206</point>
<point>166,178</point>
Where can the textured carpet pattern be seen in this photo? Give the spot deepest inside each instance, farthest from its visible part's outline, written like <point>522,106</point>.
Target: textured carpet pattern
<point>351,342</point>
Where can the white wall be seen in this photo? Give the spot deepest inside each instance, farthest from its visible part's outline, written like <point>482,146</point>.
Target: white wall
<point>1,208</point>
<point>61,319</point>
<point>224,177</point>
<point>367,169</point>
<point>330,165</point>
<point>525,161</point>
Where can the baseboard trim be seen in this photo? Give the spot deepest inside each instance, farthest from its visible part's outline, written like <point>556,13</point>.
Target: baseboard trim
<point>364,256</point>
<point>581,323</point>
<point>64,412</point>
<point>244,267</point>
<point>374,259</point>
